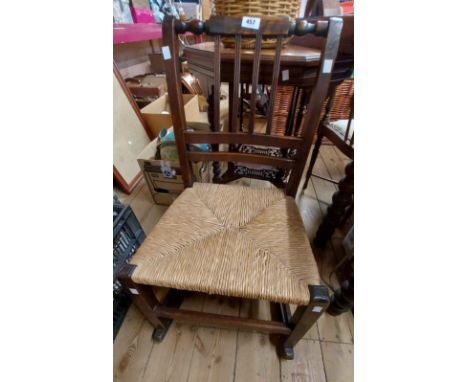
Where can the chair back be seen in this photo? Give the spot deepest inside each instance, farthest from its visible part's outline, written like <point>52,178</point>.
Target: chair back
<point>289,152</point>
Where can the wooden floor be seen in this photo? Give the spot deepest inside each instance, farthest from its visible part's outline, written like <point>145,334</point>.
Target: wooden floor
<point>199,354</point>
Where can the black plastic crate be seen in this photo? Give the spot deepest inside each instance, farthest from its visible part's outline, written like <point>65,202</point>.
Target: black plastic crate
<point>121,304</point>
<point>128,235</point>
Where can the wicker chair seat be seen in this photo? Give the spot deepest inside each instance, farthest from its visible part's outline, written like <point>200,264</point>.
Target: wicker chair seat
<point>230,240</point>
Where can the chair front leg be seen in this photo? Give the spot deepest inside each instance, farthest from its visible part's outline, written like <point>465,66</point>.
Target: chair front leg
<point>144,299</point>
<point>306,316</point>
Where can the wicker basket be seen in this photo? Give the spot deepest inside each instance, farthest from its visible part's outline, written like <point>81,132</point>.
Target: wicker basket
<point>340,109</point>
<point>240,8</point>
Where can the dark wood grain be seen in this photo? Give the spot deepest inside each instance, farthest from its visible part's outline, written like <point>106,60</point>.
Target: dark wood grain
<point>274,83</point>
<point>295,162</point>
<point>341,200</point>
<point>242,138</point>
<point>254,84</point>
<point>342,299</point>
<point>142,295</point>
<point>222,321</point>
<point>235,86</point>
<point>306,316</point>
<point>344,144</point>
<point>225,156</point>
<point>317,98</point>
<point>217,82</point>
<point>269,26</point>
<point>174,89</point>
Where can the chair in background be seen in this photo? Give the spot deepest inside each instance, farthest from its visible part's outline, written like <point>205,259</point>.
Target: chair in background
<point>227,239</point>
<point>339,131</point>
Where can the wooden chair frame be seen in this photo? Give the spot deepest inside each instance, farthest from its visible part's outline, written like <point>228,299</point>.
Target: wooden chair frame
<point>344,144</point>
<point>291,328</point>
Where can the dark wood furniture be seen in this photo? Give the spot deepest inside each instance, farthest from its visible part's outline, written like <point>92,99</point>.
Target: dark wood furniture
<point>342,201</point>
<point>342,299</point>
<point>338,132</point>
<point>214,202</point>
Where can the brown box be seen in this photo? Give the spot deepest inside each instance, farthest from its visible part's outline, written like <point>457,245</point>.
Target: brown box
<point>157,62</point>
<point>147,86</point>
<point>162,177</point>
<point>157,113</point>
<point>164,198</point>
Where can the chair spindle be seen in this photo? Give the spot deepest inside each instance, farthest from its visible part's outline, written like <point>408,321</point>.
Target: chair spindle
<point>274,83</point>
<point>217,82</point>
<point>255,71</point>
<point>235,93</point>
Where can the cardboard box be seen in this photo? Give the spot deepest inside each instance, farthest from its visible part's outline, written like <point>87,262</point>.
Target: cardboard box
<point>162,177</point>
<point>164,199</point>
<point>151,86</point>
<point>157,114</point>
<point>157,63</point>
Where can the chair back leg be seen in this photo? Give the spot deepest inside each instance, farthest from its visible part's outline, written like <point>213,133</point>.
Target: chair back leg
<point>313,159</point>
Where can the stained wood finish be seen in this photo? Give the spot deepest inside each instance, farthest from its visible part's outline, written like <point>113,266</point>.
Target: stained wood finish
<point>222,321</point>
<point>344,144</point>
<point>274,83</point>
<point>238,138</point>
<point>228,26</point>
<point>225,156</point>
<point>142,295</point>
<point>342,299</point>
<point>253,91</point>
<point>234,95</point>
<point>318,95</point>
<point>171,41</point>
<point>217,83</point>
<point>278,27</point>
<point>306,316</point>
<point>341,200</point>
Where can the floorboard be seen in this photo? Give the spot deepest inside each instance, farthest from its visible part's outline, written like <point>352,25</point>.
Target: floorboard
<point>307,365</point>
<point>215,349</point>
<point>170,360</point>
<point>339,361</point>
<point>132,347</point>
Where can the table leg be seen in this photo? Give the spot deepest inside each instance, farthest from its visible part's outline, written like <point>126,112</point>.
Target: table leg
<point>342,199</point>
<point>292,112</point>
<point>231,96</point>
<point>342,299</point>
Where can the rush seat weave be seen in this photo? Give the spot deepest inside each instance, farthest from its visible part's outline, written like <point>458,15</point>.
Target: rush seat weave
<point>230,240</point>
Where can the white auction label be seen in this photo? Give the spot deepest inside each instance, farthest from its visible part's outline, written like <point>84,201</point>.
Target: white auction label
<point>285,75</point>
<point>327,65</point>
<point>317,309</point>
<point>166,52</point>
<point>251,22</point>
<point>133,291</point>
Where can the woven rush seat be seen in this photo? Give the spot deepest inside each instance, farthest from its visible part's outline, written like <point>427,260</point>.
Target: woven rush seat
<point>230,240</point>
